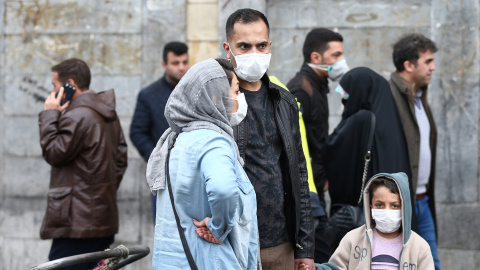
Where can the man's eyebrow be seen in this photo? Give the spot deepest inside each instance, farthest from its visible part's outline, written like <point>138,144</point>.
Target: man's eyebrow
<point>263,43</point>
<point>243,43</point>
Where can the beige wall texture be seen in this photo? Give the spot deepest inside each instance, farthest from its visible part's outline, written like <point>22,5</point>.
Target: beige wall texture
<point>122,41</point>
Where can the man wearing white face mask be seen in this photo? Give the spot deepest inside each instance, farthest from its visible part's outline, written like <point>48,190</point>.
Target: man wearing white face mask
<point>323,59</point>
<point>386,241</point>
<point>269,141</point>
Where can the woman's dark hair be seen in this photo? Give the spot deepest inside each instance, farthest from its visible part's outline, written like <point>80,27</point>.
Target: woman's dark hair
<point>379,182</point>
<point>227,67</point>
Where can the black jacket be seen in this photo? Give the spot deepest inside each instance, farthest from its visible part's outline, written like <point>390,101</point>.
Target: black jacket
<point>312,92</point>
<point>297,202</point>
<point>347,145</point>
<point>148,122</point>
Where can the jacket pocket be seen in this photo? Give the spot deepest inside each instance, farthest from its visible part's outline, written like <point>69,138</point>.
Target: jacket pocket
<point>58,209</point>
<point>248,202</point>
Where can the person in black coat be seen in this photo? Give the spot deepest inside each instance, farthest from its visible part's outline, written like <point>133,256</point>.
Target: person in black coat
<point>365,91</point>
<point>148,122</point>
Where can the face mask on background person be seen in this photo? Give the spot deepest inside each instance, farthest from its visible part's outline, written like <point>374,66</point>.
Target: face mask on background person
<point>335,71</point>
<point>386,220</point>
<point>251,66</point>
<point>342,92</point>
<point>240,114</point>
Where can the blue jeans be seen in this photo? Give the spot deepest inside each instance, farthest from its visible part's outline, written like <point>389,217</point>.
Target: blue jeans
<point>426,227</point>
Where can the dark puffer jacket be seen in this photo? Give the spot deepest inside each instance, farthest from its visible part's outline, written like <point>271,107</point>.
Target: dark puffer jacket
<point>87,151</point>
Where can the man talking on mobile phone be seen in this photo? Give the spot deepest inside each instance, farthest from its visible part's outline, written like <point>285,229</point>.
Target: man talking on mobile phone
<point>83,142</point>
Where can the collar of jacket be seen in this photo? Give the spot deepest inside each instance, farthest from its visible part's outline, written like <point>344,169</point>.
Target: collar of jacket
<point>313,77</point>
<point>277,93</point>
<point>167,83</point>
<point>272,89</point>
<point>405,86</point>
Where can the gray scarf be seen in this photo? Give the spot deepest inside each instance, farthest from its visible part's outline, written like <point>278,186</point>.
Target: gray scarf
<point>199,101</point>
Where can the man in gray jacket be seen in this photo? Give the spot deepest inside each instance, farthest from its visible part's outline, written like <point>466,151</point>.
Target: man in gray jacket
<point>413,59</point>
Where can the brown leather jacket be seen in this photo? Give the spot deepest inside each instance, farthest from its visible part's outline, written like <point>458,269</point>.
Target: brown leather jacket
<point>87,151</point>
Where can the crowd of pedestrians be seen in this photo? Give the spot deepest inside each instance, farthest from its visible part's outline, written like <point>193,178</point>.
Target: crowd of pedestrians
<point>238,163</point>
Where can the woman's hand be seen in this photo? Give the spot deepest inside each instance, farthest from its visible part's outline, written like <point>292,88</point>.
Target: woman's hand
<point>204,232</point>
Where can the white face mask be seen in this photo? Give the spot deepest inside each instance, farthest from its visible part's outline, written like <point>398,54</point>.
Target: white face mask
<point>386,220</point>
<point>251,66</point>
<point>240,114</point>
<point>335,71</point>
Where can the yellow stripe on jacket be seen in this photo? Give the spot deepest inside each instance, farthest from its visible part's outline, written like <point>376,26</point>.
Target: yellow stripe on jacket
<point>303,134</point>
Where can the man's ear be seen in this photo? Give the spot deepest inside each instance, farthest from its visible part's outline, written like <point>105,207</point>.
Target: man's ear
<point>409,66</point>
<point>226,47</point>
<point>315,58</point>
<point>164,65</point>
<point>72,82</point>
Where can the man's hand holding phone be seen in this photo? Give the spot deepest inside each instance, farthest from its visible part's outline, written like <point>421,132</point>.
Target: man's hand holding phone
<point>53,101</point>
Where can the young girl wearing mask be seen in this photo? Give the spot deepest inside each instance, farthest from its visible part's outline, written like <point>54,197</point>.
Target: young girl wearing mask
<point>386,241</point>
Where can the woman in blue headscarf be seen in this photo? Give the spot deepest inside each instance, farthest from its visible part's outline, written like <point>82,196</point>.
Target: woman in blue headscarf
<point>207,179</point>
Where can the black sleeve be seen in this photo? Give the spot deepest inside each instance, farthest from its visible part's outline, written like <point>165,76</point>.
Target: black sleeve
<point>140,128</point>
<point>316,136</point>
<point>305,231</point>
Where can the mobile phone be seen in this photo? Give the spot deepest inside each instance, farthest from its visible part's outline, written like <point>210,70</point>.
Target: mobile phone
<point>68,91</point>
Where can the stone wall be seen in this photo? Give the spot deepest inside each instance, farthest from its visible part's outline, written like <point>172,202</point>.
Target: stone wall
<point>122,41</point>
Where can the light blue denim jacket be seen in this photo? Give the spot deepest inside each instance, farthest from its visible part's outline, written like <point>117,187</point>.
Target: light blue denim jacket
<point>207,181</point>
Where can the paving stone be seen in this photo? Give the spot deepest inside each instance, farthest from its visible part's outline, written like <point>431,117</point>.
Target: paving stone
<point>106,54</point>
<point>455,108</point>
<point>129,212</point>
<point>22,137</point>
<point>454,227</point>
<point>362,14</point>
<point>23,218</point>
<point>26,177</point>
<point>202,20</point>
<point>281,14</point>
<point>133,179</point>
<point>201,51</point>
<point>25,253</point>
<point>459,258</point>
<point>57,16</point>
<point>25,94</point>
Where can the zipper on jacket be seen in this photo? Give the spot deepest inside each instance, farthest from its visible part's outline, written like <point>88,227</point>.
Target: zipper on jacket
<point>281,128</point>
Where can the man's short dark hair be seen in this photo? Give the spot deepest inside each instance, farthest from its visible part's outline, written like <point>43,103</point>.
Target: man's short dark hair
<point>177,48</point>
<point>74,69</point>
<point>408,48</point>
<point>244,15</point>
<point>317,41</point>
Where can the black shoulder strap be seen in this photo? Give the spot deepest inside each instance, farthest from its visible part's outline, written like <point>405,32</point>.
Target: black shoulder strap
<point>191,262</point>
<point>370,136</point>
<point>368,155</point>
